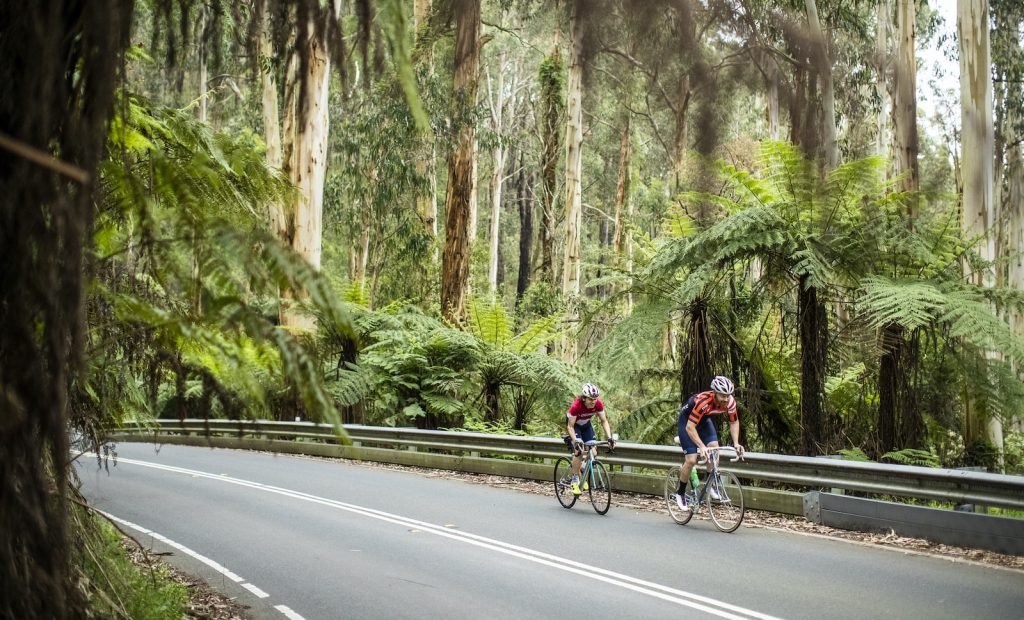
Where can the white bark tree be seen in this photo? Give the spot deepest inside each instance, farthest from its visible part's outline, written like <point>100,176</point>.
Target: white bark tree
<point>306,131</point>
<point>977,151</point>
<point>573,168</point>
<point>823,60</point>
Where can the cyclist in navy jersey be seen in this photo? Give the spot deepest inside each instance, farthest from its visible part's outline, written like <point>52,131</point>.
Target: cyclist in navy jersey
<point>577,418</point>
<point>697,432</point>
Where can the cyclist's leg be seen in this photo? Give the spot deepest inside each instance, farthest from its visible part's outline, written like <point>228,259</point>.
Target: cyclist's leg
<point>690,452</point>
<point>584,433</point>
<point>709,435</point>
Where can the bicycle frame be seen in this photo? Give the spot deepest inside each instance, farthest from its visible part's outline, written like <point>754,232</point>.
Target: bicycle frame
<point>593,477</point>
<point>723,505</point>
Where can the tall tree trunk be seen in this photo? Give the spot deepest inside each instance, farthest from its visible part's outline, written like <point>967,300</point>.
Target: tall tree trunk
<point>897,406</point>
<point>629,259</point>
<point>203,79</point>
<point>681,140</point>
<point>622,188</point>
<point>455,259</point>
<point>882,16</point>
<point>551,75</point>
<point>426,162</point>
<point>525,203</point>
<point>813,325</point>
<point>307,166</point>
<point>271,123</point>
<point>60,70</point>
<point>497,104</point>
<point>905,104</point>
<point>977,162</point>
<point>474,204</point>
<point>573,171</point>
<point>774,131</point>
<point>823,63</point>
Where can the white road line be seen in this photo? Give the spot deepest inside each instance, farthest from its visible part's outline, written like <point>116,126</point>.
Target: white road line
<point>205,560</point>
<point>672,595</point>
<point>259,593</point>
<point>288,613</point>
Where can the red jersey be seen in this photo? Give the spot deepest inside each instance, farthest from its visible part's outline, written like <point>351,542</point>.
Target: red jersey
<point>582,413</point>
<point>703,404</point>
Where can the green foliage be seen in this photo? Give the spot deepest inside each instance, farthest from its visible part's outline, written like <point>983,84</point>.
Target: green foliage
<point>911,456</point>
<point>120,589</point>
<point>188,274</point>
<point>854,454</point>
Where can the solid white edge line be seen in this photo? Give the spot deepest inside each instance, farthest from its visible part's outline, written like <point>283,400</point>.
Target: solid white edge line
<point>288,613</point>
<point>655,590</point>
<point>259,593</point>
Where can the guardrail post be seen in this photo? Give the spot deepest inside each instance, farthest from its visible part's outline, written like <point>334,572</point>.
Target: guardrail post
<point>475,454</point>
<point>978,508</point>
<point>837,457</point>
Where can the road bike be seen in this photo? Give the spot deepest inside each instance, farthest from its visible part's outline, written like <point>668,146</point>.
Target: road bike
<point>726,510</point>
<point>594,478</point>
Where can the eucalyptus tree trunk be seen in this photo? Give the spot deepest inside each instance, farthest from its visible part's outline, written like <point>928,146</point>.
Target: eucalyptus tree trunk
<point>682,132</point>
<point>774,131</point>
<point>525,203</point>
<point>203,78</point>
<point>1015,216</point>
<point>271,123</point>
<point>474,204</point>
<point>497,101</point>
<point>573,154</point>
<point>905,104</point>
<point>899,418</point>
<point>883,14</point>
<point>828,98</point>
<point>573,171</point>
<point>455,259</point>
<point>977,161</point>
<point>426,161</point>
<point>307,162</point>
<point>622,188</point>
<point>551,76</point>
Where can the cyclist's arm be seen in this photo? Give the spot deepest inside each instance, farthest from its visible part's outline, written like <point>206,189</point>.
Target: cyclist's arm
<point>570,426</point>
<point>606,425</point>
<point>734,430</point>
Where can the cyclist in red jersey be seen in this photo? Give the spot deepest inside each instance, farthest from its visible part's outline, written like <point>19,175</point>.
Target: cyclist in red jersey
<point>577,418</point>
<point>697,432</point>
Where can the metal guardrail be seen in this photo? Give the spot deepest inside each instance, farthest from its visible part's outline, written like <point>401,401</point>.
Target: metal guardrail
<point>944,485</point>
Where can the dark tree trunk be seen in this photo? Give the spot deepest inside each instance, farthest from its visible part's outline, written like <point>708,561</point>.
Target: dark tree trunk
<point>696,370</point>
<point>889,373</point>
<point>455,259</point>
<point>551,105</point>
<point>59,68</point>
<point>525,203</point>
<point>814,432</point>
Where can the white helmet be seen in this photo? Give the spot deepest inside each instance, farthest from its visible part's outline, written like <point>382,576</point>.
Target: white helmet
<point>722,385</point>
<point>590,390</point>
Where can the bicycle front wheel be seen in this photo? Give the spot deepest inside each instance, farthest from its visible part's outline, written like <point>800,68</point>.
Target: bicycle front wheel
<point>726,511</point>
<point>563,482</point>
<point>600,488</point>
<point>682,517</point>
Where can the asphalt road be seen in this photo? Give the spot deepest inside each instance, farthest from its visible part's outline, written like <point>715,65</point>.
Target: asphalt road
<point>311,539</point>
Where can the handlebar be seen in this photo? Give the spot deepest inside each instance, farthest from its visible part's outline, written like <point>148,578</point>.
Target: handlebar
<point>727,449</point>
<point>735,454</point>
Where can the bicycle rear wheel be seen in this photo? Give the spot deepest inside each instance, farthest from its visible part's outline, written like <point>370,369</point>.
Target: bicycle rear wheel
<point>682,517</point>
<point>563,482</point>
<point>600,489</point>
<point>727,511</point>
